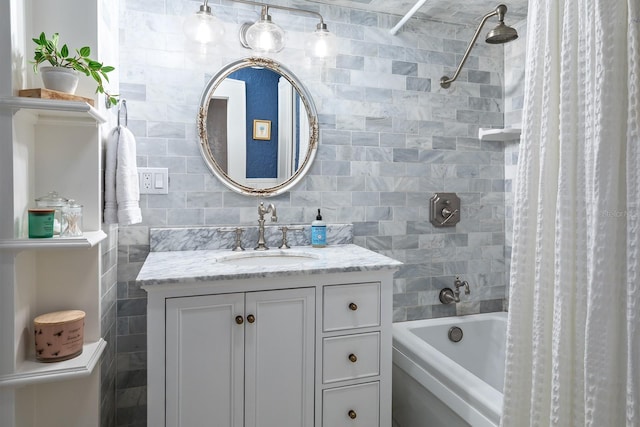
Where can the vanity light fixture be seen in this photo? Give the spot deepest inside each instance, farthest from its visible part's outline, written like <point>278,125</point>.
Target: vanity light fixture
<point>264,36</point>
<point>202,27</point>
<point>321,43</point>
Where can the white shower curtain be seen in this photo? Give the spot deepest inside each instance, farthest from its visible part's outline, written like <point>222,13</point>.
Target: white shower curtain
<point>573,345</point>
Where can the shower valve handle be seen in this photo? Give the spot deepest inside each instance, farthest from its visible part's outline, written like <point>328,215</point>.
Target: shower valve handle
<point>447,214</point>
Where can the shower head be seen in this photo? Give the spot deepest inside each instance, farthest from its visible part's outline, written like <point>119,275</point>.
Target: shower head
<point>500,34</point>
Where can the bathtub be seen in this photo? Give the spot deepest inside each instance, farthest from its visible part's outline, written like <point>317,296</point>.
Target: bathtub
<point>438,382</point>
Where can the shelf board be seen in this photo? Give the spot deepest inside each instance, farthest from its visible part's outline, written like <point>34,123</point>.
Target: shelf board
<point>506,134</point>
<point>87,240</point>
<point>52,107</point>
<point>34,372</point>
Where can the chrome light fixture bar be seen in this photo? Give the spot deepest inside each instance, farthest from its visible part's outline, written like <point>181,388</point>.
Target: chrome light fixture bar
<point>264,36</point>
<point>202,27</point>
<point>501,34</point>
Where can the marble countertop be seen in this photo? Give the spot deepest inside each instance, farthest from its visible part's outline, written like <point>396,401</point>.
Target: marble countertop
<point>208,265</point>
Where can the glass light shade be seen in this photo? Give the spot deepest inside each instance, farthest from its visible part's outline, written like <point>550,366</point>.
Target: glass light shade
<point>203,27</point>
<point>321,43</point>
<point>265,36</point>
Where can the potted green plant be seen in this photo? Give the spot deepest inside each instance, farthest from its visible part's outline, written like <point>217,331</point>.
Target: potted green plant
<point>65,66</point>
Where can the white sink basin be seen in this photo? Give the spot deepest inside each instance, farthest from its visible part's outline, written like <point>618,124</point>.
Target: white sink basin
<point>267,258</point>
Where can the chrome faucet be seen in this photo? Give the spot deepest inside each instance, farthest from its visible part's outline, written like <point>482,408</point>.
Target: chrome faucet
<point>261,211</point>
<point>447,295</point>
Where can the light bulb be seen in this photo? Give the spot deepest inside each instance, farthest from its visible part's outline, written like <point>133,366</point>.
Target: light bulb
<point>203,27</point>
<point>321,43</point>
<point>265,36</point>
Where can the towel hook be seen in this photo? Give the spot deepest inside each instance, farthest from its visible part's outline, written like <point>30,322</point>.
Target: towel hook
<point>122,106</point>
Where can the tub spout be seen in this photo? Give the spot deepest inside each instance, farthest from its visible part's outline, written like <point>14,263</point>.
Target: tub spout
<point>461,284</point>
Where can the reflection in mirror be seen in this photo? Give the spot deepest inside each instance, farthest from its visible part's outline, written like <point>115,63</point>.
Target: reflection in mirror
<point>258,127</point>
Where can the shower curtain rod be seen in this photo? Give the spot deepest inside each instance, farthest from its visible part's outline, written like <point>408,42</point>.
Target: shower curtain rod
<point>406,17</point>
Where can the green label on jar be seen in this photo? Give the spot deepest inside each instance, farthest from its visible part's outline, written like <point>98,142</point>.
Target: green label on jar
<point>41,223</point>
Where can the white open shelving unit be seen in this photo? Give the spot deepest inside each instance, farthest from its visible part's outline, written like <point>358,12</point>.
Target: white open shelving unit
<point>30,371</point>
<point>53,107</point>
<point>87,240</point>
<point>55,145</point>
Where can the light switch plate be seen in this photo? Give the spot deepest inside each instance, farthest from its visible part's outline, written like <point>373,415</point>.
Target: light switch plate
<point>153,180</point>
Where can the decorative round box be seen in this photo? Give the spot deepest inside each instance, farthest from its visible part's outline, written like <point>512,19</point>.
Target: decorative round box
<point>59,335</point>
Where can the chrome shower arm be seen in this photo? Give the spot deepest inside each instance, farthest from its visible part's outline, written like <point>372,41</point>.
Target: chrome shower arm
<point>446,81</point>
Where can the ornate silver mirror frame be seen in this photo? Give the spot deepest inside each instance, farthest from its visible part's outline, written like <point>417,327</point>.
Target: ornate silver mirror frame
<point>205,147</point>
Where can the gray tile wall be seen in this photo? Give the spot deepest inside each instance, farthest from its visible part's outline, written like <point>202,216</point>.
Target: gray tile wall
<point>108,298</point>
<point>390,138</point>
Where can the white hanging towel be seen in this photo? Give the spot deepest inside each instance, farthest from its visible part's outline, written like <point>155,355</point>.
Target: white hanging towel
<point>121,192</point>
<point>110,203</point>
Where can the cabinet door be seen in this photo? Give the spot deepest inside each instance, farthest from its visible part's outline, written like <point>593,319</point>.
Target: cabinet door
<point>279,358</point>
<point>204,365</point>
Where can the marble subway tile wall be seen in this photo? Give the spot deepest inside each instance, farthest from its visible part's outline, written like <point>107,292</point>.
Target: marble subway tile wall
<point>390,138</point>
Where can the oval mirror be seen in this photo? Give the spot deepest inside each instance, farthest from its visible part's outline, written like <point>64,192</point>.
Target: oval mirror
<point>258,127</point>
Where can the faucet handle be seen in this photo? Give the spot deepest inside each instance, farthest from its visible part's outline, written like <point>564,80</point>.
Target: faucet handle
<point>285,242</point>
<point>448,296</point>
<point>237,246</point>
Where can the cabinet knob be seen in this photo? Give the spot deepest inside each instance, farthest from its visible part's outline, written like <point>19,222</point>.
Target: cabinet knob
<point>239,320</point>
<point>353,306</point>
<point>251,318</point>
<point>353,358</point>
<point>352,414</point>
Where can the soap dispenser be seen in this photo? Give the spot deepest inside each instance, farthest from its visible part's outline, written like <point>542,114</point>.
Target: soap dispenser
<point>318,232</point>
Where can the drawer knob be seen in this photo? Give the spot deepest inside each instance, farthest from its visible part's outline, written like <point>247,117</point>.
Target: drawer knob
<point>353,306</point>
<point>353,358</point>
<point>251,318</point>
<point>352,414</point>
<point>239,320</point>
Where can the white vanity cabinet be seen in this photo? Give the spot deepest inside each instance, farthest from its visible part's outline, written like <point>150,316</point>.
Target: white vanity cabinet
<point>304,346</point>
<point>241,359</point>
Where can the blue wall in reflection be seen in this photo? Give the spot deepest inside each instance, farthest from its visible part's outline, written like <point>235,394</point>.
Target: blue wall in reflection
<point>262,104</point>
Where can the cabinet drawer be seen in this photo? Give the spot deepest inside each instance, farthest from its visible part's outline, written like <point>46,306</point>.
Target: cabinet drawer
<point>352,406</point>
<point>351,306</point>
<point>350,357</point>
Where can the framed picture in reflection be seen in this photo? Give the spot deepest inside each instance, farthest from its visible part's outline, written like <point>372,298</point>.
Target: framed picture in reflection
<point>262,129</point>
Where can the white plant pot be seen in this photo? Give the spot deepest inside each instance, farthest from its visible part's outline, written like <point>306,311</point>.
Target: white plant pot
<point>60,79</point>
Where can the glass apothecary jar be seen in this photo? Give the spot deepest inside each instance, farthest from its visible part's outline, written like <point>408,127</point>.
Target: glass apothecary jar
<point>54,201</point>
<point>71,220</point>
